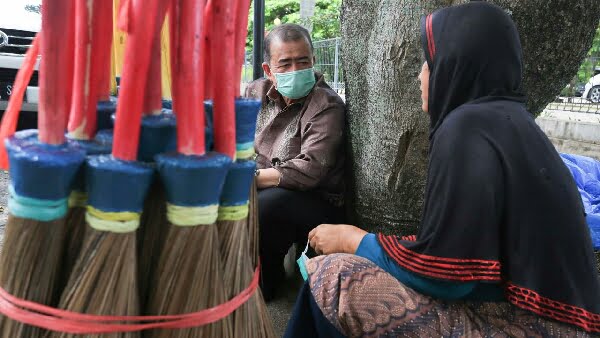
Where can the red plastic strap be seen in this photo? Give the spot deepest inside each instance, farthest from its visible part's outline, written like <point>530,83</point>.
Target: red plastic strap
<point>53,319</point>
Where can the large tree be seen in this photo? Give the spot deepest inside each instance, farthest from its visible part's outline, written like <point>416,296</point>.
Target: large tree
<point>388,132</point>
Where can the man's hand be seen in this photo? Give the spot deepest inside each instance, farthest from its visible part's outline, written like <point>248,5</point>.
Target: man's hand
<point>335,238</point>
<point>267,178</point>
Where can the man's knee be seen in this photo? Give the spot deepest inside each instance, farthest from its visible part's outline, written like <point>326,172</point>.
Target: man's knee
<point>270,202</point>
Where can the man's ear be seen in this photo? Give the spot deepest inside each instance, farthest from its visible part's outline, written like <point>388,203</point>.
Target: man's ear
<point>267,69</point>
<point>314,60</point>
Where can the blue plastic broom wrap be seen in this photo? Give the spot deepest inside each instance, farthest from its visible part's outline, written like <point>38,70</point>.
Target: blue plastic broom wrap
<point>41,175</point>
<point>586,172</point>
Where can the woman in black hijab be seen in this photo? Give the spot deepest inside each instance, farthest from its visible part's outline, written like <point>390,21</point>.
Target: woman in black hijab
<point>503,248</point>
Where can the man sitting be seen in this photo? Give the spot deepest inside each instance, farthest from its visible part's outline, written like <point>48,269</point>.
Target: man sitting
<point>299,146</point>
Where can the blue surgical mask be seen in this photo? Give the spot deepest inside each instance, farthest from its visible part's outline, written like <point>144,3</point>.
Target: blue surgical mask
<point>302,262</point>
<point>296,84</point>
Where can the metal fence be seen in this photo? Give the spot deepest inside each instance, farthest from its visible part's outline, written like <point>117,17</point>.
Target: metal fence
<point>582,94</point>
<point>328,62</point>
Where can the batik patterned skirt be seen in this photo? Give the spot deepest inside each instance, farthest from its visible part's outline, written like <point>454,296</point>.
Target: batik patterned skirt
<point>361,300</point>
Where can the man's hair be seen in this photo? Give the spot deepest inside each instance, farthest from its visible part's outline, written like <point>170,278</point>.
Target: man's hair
<point>286,32</point>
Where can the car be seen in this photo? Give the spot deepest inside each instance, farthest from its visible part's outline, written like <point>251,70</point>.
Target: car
<point>592,88</point>
<point>20,21</point>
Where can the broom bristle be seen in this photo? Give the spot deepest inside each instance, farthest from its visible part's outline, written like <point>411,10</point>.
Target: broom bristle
<point>104,280</point>
<point>251,319</point>
<point>253,233</point>
<point>153,225</point>
<point>188,278</point>
<point>30,267</point>
<point>75,229</point>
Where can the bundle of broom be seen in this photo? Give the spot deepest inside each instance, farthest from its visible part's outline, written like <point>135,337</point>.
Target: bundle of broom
<point>42,169</point>
<point>91,17</point>
<point>104,279</point>
<point>189,276</point>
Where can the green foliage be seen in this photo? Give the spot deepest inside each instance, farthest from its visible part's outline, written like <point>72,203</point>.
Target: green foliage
<point>587,68</point>
<point>326,21</point>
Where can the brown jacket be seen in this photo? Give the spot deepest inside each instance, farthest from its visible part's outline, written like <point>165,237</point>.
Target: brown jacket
<point>303,141</point>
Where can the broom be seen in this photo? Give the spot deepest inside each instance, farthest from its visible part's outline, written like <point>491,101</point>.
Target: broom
<point>158,135</point>
<point>188,277</point>
<point>104,279</point>
<point>251,319</point>
<point>83,116</point>
<point>42,169</point>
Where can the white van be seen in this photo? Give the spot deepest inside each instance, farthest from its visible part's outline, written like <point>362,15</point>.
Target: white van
<point>20,20</point>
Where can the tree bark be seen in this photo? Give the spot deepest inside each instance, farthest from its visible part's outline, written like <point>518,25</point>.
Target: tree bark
<point>388,132</point>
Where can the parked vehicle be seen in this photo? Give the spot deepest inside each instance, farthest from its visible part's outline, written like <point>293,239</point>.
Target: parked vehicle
<point>20,20</point>
<point>592,88</point>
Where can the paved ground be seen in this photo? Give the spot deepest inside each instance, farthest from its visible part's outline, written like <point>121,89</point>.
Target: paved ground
<point>280,309</point>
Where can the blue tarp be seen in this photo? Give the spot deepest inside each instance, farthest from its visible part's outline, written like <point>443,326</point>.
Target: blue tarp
<point>586,172</point>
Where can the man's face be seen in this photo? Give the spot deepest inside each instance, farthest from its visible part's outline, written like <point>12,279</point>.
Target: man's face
<point>288,56</point>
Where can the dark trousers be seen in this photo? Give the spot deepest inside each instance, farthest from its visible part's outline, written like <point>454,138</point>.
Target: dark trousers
<point>286,217</point>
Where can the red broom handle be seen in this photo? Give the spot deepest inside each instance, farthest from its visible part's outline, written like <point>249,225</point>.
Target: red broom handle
<point>54,71</point>
<point>206,50</point>
<point>141,23</point>
<point>173,43</point>
<point>99,79</point>
<point>102,40</point>
<point>241,31</point>
<point>189,76</point>
<point>69,46</point>
<point>153,92</point>
<point>81,90</point>
<point>11,115</point>
<point>222,50</point>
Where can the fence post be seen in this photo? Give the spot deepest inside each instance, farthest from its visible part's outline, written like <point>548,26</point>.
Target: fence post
<point>336,63</point>
<point>259,36</point>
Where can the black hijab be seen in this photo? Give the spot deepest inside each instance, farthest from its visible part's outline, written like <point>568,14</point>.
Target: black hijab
<point>500,205</point>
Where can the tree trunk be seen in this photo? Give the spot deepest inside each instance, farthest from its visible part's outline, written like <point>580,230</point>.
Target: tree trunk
<point>388,132</point>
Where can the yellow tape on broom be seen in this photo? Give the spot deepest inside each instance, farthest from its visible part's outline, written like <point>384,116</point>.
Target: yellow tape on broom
<point>77,199</point>
<point>244,154</point>
<point>192,216</point>
<point>233,213</point>
<point>118,222</point>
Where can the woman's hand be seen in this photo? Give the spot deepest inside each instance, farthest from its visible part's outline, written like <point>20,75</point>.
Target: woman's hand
<point>335,238</point>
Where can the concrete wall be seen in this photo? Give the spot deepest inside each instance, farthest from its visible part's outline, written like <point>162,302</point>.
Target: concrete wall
<point>572,137</point>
